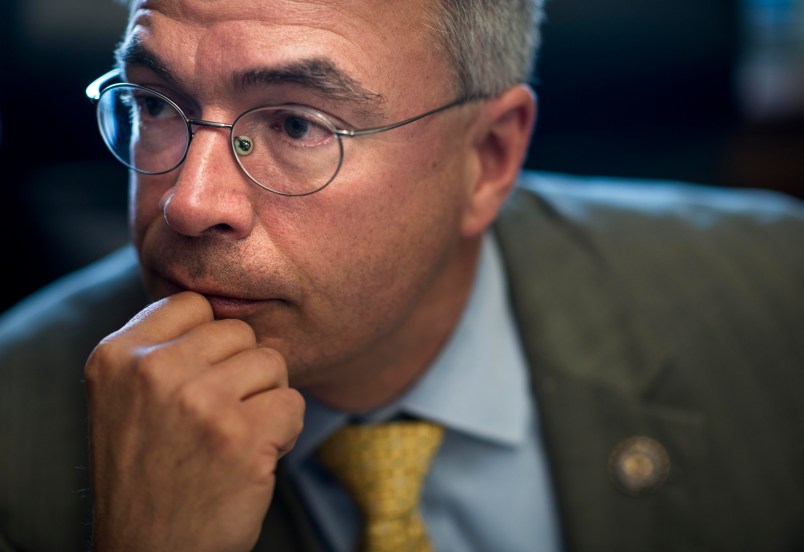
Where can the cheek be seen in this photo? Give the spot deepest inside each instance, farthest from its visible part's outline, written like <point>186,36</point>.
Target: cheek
<point>384,233</point>
<point>144,196</point>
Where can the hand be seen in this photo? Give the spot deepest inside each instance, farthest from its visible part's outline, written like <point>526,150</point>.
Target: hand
<point>188,419</point>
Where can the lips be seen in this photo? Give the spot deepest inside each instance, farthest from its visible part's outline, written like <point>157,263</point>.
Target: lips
<point>232,307</point>
<point>224,304</point>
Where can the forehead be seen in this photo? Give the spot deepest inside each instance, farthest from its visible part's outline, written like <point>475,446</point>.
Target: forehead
<point>384,16</point>
<point>384,44</point>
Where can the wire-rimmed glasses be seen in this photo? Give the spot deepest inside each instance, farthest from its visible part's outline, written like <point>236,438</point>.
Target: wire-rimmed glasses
<point>287,149</point>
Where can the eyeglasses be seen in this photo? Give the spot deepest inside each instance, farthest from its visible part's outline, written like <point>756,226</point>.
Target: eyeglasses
<point>287,149</point>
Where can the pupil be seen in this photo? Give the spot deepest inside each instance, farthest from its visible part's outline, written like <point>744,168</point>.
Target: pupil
<point>296,127</point>
<point>154,106</point>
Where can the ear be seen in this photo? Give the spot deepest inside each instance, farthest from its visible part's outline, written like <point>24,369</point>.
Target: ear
<point>500,143</point>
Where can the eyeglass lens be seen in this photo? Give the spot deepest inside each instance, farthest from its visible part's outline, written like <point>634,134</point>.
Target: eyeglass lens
<point>289,150</point>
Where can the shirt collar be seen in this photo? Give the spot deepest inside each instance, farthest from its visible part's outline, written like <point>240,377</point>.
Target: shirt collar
<point>477,385</point>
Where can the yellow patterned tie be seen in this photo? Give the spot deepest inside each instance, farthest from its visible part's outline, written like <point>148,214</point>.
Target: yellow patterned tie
<point>383,467</point>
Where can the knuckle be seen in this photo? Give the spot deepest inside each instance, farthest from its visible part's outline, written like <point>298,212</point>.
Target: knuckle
<point>272,359</point>
<point>104,364</point>
<point>194,401</point>
<point>291,406</point>
<point>295,402</point>
<point>222,430</point>
<point>284,416</point>
<point>227,436</point>
<point>238,326</point>
<point>263,466</point>
<point>149,368</point>
<point>92,369</point>
<point>194,301</point>
<point>104,354</point>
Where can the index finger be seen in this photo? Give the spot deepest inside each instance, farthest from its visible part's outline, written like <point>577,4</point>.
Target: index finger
<point>167,319</point>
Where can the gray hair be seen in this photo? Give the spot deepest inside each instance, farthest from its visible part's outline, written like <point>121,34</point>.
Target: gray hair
<point>491,44</point>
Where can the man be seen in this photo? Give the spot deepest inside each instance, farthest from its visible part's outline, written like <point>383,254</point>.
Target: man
<point>313,263</point>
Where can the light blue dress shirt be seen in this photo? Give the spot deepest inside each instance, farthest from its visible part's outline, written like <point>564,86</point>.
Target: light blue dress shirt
<point>488,488</point>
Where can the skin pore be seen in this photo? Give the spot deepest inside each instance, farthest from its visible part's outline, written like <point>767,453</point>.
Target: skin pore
<point>359,285</point>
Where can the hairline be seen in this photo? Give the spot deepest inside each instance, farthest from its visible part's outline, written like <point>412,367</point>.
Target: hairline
<point>466,78</point>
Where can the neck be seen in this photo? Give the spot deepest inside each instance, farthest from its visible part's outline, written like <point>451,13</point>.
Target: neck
<point>382,374</point>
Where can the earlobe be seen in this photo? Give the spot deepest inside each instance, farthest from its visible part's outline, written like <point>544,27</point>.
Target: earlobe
<point>503,134</point>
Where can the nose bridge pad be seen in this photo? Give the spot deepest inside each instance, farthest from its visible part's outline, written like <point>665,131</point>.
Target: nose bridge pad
<point>243,145</point>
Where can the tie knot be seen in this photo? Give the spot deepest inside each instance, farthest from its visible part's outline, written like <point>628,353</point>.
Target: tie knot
<point>383,467</point>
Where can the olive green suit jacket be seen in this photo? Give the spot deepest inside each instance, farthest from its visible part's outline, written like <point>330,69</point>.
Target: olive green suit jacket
<point>657,310</point>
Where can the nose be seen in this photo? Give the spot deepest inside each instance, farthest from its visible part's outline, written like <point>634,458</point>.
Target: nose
<point>211,193</point>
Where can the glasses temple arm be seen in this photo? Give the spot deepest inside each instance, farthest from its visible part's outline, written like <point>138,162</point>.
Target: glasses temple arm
<point>375,130</point>
<point>93,91</point>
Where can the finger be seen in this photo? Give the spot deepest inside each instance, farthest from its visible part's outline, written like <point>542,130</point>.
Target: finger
<point>167,319</point>
<point>280,415</point>
<point>249,373</point>
<point>214,342</point>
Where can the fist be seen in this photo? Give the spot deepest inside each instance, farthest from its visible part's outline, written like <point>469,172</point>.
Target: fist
<point>188,419</point>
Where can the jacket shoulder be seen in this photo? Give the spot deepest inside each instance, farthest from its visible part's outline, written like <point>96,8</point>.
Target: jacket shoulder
<point>44,343</point>
<point>672,311</point>
<point>614,208</point>
<point>610,266</point>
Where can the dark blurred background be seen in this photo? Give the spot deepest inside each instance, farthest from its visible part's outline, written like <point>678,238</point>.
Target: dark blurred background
<point>708,91</point>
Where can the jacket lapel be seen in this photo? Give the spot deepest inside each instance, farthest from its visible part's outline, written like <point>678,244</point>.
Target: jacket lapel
<point>599,372</point>
<point>288,526</point>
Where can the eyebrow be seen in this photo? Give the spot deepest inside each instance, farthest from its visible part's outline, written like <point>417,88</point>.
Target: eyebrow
<point>320,75</point>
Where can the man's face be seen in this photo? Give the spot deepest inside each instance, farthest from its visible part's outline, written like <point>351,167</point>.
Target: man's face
<point>326,279</point>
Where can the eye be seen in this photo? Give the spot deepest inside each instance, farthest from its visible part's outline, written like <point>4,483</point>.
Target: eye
<point>149,106</point>
<point>274,128</point>
<point>295,127</point>
<point>154,106</point>
<point>299,128</point>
